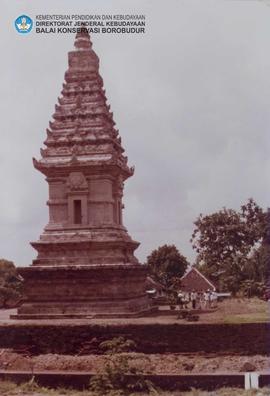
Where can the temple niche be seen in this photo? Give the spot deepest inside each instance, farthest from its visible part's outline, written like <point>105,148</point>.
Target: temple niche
<point>85,264</point>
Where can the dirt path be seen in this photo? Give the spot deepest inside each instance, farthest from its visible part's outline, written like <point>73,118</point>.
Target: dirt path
<point>156,364</point>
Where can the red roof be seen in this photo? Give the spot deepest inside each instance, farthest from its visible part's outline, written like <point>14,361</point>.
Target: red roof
<point>195,280</point>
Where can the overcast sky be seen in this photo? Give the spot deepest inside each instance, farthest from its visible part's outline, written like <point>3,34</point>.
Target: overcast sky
<point>190,97</point>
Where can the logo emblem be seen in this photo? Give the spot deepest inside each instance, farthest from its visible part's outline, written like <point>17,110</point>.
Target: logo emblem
<point>23,24</point>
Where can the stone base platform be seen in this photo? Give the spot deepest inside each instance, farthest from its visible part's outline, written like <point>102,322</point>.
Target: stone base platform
<point>150,334</point>
<point>147,313</point>
<point>85,291</point>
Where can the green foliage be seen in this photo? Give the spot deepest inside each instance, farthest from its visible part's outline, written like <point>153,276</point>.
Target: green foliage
<point>8,296</point>
<point>166,263</point>
<point>258,264</point>
<point>251,288</point>
<point>10,284</point>
<point>7,269</point>
<point>231,246</point>
<point>6,387</point>
<point>117,345</point>
<point>227,233</point>
<point>30,386</point>
<point>119,378</point>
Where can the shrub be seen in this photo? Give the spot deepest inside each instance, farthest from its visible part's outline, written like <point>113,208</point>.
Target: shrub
<point>118,378</point>
<point>117,345</point>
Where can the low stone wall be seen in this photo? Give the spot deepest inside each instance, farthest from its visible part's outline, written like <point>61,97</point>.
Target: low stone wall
<point>250,338</point>
<point>182,382</point>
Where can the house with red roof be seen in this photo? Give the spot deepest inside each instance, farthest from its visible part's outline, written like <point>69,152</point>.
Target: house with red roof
<point>193,279</point>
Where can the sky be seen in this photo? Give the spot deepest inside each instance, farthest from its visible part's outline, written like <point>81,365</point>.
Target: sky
<point>190,98</point>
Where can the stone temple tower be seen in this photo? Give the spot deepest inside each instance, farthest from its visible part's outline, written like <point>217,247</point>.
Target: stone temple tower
<point>85,266</point>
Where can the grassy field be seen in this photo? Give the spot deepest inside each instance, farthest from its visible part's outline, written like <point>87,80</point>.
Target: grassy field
<point>240,310</point>
<point>31,389</point>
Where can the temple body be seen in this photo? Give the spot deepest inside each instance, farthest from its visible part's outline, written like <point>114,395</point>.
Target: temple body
<point>85,263</point>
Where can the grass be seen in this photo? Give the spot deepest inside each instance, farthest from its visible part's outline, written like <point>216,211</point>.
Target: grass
<point>239,310</point>
<point>247,311</point>
<point>247,318</point>
<point>32,389</point>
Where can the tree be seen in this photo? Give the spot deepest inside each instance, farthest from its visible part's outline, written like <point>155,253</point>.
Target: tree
<point>10,284</point>
<point>227,233</point>
<point>257,264</point>
<point>166,263</point>
<point>230,245</point>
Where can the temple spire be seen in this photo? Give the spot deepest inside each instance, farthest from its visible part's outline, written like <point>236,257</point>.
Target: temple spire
<point>85,265</point>
<point>82,40</point>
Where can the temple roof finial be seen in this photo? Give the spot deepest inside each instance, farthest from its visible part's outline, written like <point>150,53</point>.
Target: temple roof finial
<point>82,39</point>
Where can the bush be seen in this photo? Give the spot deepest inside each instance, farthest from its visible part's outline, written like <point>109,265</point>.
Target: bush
<point>118,378</point>
<point>10,285</point>
<point>117,345</point>
<point>251,288</point>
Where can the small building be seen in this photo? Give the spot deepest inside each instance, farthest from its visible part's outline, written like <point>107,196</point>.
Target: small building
<point>193,279</point>
<point>153,287</point>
